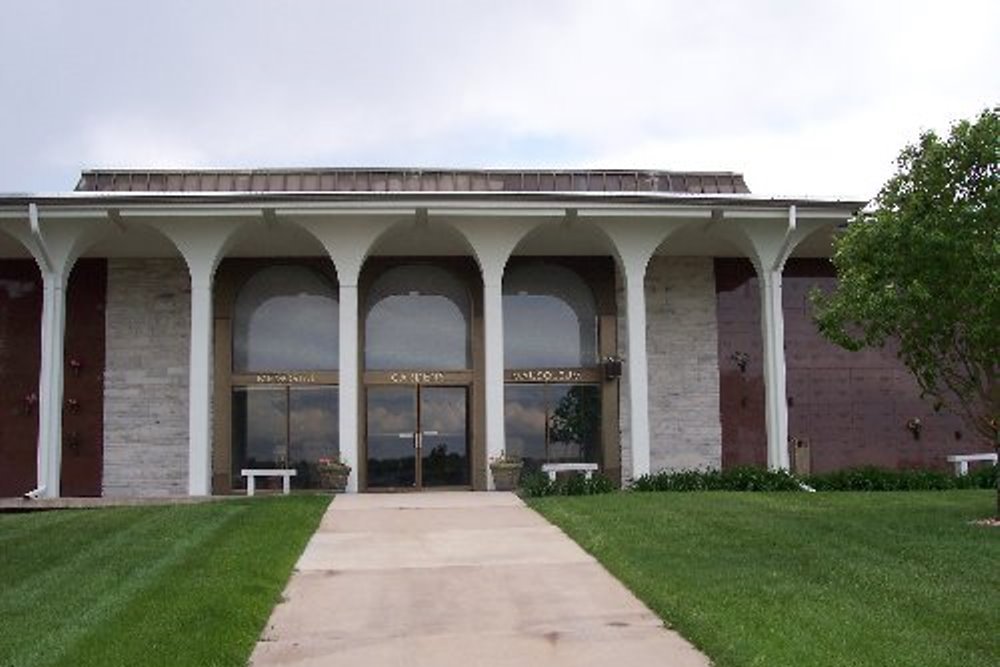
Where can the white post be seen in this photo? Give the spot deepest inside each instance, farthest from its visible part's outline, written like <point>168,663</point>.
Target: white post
<point>50,383</point>
<point>638,374</point>
<point>349,382</point>
<point>493,343</point>
<point>775,406</point>
<point>200,386</point>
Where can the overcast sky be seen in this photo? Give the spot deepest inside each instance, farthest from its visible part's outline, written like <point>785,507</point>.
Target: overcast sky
<point>803,98</point>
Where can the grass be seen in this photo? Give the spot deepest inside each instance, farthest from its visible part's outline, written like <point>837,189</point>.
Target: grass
<point>153,585</point>
<point>773,579</point>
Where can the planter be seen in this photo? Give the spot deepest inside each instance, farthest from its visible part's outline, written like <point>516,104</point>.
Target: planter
<point>334,478</point>
<point>505,475</point>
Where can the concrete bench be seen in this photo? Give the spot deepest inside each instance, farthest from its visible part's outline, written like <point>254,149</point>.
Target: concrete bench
<point>253,473</point>
<point>961,461</point>
<point>551,469</point>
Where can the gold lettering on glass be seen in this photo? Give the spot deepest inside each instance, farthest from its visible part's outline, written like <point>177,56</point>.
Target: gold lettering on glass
<point>416,377</point>
<point>285,378</point>
<point>547,375</point>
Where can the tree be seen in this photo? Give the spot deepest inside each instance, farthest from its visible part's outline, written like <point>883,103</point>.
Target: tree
<point>921,268</point>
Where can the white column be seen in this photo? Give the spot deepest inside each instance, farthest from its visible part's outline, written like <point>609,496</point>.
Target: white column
<point>50,383</point>
<point>638,373</point>
<point>493,343</point>
<point>775,406</point>
<point>348,389</point>
<point>200,386</point>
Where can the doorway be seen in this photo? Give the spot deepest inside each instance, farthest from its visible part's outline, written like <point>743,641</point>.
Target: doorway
<point>417,437</point>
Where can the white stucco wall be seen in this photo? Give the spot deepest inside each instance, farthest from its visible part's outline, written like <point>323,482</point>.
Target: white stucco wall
<point>146,378</point>
<point>682,347</point>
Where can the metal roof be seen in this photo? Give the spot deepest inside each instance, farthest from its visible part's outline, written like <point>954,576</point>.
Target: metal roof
<point>344,180</point>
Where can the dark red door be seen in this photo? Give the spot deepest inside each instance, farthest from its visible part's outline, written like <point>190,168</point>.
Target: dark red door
<point>20,354</point>
<point>83,383</point>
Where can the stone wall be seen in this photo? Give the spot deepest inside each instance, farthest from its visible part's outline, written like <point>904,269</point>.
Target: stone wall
<point>146,378</point>
<point>682,350</point>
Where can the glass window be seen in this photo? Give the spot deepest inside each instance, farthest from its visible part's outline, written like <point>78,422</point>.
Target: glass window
<point>549,318</point>
<point>284,427</point>
<point>417,318</point>
<point>554,423</point>
<point>286,319</point>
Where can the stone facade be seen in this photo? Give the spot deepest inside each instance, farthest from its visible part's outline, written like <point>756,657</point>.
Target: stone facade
<point>146,378</point>
<point>682,350</point>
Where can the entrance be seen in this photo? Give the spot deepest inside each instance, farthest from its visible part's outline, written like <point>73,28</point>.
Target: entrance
<point>417,437</point>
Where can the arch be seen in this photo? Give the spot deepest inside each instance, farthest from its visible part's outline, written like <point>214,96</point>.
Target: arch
<point>417,316</point>
<point>285,318</point>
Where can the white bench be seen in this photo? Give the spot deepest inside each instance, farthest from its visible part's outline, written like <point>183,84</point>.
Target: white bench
<point>253,473</point>
<point>961,461</point>
<point>551,469</point>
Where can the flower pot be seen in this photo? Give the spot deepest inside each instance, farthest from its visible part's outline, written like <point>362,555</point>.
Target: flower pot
<point>506,476</point>
<point>334,478</point>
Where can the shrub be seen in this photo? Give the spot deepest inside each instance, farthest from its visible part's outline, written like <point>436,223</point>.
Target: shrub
<point>879,479</point>
<point>742,478</point>
<point>538,484</point>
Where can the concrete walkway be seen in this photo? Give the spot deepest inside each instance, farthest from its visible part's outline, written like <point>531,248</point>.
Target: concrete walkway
<point>437,579</point>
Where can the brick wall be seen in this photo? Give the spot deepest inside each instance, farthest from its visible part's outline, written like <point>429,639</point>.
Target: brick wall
<point>682,352</point>
<point>146,377</point>
<point>852,407</point>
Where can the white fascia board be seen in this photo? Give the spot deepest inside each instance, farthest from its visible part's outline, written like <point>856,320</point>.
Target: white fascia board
<point>781,213</point>
<point>346,211</point>
<point>499,212</point>
<point>56,214</point>
<point>618,211</point>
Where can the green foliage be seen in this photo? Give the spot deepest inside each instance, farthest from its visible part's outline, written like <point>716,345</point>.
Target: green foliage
<point>805,579</point>
<point>537,484</point>
<point>921,271</point>
<point>743,478</point>
<point>879,479</point>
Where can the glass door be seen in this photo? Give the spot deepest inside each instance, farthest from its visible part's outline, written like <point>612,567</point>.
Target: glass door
<point>444,443</point>
<point>417,437</point>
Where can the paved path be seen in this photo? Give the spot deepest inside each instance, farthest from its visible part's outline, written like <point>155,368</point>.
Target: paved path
<point>471,579</point>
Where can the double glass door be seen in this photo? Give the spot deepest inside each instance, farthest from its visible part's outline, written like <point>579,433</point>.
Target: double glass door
<point>417,437</point>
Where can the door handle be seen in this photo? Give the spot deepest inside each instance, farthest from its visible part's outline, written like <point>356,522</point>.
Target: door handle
<point>431,433</point>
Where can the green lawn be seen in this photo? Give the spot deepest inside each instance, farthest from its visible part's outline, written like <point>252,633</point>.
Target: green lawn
<point>153,585</point>
<point>774,579</point>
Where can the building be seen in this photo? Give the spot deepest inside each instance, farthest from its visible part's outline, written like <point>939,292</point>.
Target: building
<point>160,330</point>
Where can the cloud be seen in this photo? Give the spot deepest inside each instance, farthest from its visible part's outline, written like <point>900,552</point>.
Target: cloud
<point>803,97</point>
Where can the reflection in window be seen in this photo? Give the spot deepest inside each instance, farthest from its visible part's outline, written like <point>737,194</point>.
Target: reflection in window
<point>549,318</point>
<point>285,320</point>
<point>552,423</point>
<point>284,427</point>
<point>417,318</point>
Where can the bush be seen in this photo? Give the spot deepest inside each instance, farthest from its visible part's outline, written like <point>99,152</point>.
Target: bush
<point>880,479</point>
<point>538,484</point>
<point>743,478</point>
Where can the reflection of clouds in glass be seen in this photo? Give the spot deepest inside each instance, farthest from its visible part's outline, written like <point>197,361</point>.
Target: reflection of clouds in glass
<point>286,318</point>
<point>443,409</point>
<point>391,410</point>
<point>550,318</point>
<point>313,423</point>
<point>524,421</point>
<point>265,424</point>
<point>418,318</point>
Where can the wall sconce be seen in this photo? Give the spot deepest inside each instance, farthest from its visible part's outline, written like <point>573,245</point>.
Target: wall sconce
<point>29,403</point>
<point>612,368</point>
<point>741,359</point>
<point>914,426</point>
